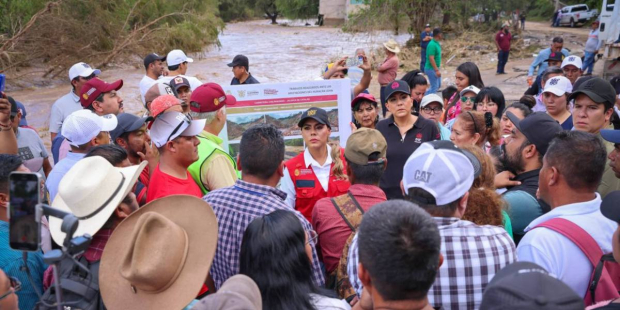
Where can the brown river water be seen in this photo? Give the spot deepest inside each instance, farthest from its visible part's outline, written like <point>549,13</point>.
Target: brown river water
<point>277,54</point>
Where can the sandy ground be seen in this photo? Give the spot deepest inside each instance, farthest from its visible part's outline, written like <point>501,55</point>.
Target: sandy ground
<point>283,54</point>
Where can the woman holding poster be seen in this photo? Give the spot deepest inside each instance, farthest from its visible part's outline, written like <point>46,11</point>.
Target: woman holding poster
<point>318,172</point>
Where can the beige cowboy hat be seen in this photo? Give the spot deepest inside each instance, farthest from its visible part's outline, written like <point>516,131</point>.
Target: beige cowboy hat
<point>91,190</point>
<point>159,256</point>
<point>392,46</point>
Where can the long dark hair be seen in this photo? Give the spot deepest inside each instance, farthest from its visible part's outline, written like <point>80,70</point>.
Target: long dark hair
<point>414,78</point>
<point>471,71</point>
<point>273,254</point>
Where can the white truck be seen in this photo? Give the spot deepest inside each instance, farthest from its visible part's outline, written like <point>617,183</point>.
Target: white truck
<point>574,15</point>
<point>609,33</point>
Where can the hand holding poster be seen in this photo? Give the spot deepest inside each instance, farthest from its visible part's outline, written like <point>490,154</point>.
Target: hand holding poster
<point>282,105</point>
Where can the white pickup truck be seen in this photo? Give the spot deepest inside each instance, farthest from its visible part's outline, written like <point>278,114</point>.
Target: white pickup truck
<point>573,15</point>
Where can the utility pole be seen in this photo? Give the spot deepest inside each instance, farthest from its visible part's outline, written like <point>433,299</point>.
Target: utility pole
<point>557,5</point>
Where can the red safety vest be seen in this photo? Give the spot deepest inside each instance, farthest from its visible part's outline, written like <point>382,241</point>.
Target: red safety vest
<point>308,189</point>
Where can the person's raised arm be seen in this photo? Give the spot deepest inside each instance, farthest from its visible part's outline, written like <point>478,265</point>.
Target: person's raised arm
<point>530,73</point>
<point>8,141</point>
<point>365,80</point>
<point>339,66</point>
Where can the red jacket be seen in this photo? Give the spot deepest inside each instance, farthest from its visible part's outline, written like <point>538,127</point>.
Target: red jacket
<point>308,189</point>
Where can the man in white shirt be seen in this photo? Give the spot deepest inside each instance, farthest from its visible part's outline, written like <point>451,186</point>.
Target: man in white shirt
<point>154,65</point>
<point>572,169</point>
<point>79,74</point>
<point>177,65</point>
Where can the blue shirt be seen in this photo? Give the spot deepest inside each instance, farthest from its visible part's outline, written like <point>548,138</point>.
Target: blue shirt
<point>540,62</point>
<point>59,171</point>
<point>424,34</point>
<point>11,262</point>
<point>444,131</point>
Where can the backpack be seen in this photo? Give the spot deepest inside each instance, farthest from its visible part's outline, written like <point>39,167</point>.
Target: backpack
<point>77,287</point>
<point>605,278</point>
<point>351,212</point>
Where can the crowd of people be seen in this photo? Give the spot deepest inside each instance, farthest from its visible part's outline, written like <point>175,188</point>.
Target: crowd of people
<point>446,198</point>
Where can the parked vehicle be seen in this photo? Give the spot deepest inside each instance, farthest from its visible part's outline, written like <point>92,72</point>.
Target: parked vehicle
<point>610,31</point>
<point>578,14</point>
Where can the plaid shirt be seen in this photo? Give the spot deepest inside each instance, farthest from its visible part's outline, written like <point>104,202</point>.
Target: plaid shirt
<point>472,255</point>
<point>235,207</point>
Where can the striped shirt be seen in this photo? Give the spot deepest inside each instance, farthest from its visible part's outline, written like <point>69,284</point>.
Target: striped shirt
<point>472,255</point>
<point>235,208</point>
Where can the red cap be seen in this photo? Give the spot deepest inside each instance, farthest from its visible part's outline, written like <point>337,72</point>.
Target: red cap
<point>363,96</point>
<point>95,87</point>
<point>162,103</point>
<point>209,97</point>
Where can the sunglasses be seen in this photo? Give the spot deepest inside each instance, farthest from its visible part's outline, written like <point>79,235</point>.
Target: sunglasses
<point>16,285</point>
<point>312,237</point>
<point>465,99</point>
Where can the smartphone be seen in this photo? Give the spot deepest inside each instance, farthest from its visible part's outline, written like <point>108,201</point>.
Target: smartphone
<point>24,220</point>
<point>2,80</point>
<point>360,60</point>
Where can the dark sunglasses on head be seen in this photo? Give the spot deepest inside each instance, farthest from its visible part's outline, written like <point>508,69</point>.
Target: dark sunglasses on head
<point>186,120</point>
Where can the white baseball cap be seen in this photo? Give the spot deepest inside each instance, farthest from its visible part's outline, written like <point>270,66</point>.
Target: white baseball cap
<point>177,57</point>
<point>572,60</point>
<point>82,69</point>
<point>431,98</point>
<point>558,85</point>
<point>441,169</point>
<point>470,88</point>
<point>169,125</point>
<point>83,125</point>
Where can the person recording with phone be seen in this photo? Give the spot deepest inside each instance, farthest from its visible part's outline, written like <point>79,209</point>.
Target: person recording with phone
<point>11,260</point>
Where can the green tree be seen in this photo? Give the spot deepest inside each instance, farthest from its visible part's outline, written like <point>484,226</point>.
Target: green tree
<point>298,9</point>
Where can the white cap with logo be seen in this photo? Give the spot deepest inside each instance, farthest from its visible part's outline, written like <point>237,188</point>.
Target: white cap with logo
<point>572,60</point>
<point>170,125</point>
<point>430,99</point>
<point>177,57</point>
<point>470,88</point>
<point>441,169</point>
<point>558,85</point>
<point>83,125</point>
<point>82,69</point>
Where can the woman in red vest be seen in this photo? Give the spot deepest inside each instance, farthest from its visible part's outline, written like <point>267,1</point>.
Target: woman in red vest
<point>320,171</point>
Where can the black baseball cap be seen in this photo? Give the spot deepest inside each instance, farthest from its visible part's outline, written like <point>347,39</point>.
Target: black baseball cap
<point>128,122</point>
<point>555,57</point>
<point>152,57</point>
<point>240,60</point>
<point>539,128</point>
<point>316,114</point>
<point>178,82</point>
<point>398,86</point>
<point>597,89</point>
<point>609,206</point>
<point>14,108</point>
<point>525,285</point>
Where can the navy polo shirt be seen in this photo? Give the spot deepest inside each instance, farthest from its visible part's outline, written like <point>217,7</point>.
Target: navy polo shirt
<point>249,80</point>
<point>399,149</point>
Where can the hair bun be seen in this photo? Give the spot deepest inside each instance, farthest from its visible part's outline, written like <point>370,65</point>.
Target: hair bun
<point>488,119</point>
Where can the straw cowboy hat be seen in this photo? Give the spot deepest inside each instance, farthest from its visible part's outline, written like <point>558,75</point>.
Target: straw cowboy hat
<point>392,46</point>
<point>159,256</point>
<point>91,190</point>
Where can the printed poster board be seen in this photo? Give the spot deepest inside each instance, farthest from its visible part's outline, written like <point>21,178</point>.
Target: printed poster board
<point>282,105</point>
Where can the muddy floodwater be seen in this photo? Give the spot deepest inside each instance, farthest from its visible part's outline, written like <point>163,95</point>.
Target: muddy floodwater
<point>276,53</point>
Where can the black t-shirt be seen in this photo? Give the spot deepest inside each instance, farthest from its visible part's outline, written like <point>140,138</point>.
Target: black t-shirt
<point>399,150</point>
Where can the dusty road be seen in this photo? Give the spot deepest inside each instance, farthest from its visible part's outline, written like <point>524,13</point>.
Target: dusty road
<point>294,53</point>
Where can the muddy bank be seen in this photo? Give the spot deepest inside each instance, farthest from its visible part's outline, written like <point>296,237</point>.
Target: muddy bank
<point>283,54</point>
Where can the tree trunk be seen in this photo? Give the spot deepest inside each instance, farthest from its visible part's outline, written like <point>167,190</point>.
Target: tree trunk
<point>446,18</point>
<point>273,17</point>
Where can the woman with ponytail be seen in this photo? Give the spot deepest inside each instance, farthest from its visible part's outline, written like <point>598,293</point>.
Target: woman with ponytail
<point>485,206</point>
<point>476,128</point>
<point>319,171</point>
<point>418,85</point>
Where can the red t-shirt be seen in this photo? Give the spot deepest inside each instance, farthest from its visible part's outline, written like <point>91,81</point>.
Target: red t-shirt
<point>162,185</point>
<point>503,40</point>
<point>333,231</point>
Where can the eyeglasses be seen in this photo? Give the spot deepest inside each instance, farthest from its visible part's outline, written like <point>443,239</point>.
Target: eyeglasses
<point>488,104</point>
<point>431,110</point>
<point>16,285</point>
<point>312,237</point>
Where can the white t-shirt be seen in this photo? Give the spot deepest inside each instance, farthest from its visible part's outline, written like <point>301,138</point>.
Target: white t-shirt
<point>325,303</point>
<point>145,84</point>
<point>193,82</point>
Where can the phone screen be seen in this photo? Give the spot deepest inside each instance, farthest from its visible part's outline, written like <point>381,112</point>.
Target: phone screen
<point>24,196</point>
